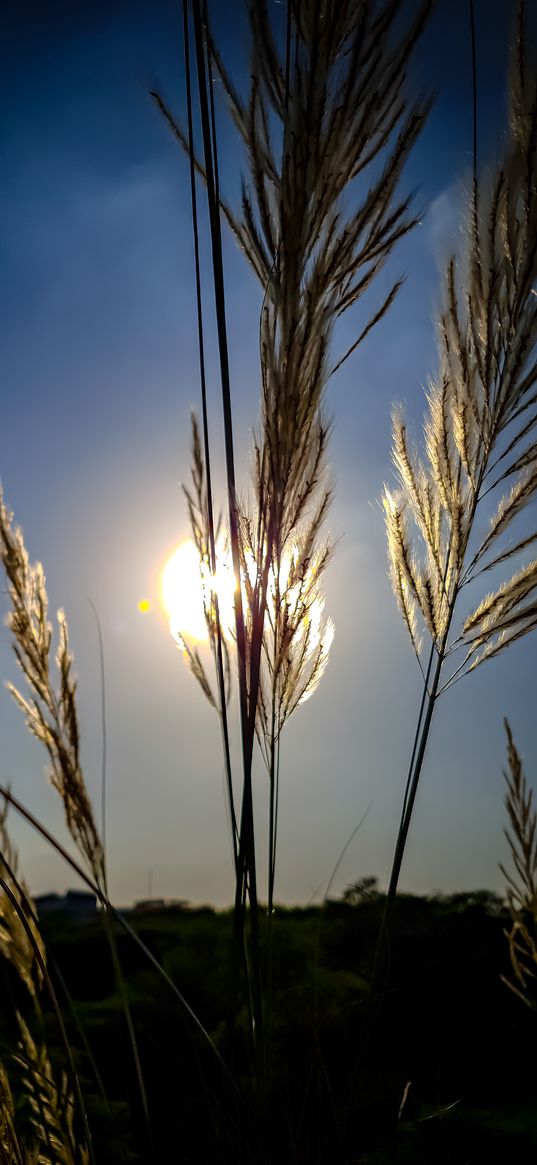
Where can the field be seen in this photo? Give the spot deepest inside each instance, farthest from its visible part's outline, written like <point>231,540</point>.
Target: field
<point>377,1027</point>
<point>451,1041</point>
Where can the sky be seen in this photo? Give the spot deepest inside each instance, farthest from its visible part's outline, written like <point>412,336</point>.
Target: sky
<point>98,366</point>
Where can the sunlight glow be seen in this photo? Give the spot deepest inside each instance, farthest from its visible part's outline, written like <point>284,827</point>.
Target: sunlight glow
<point>187,587</point>
<point>186,583</point>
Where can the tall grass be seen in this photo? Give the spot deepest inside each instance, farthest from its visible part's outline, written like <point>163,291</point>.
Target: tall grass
<point>522,879</point>
<point>327,127</point>
<point>480,453</point>
<point>328,113</point>
<point>51,1103</point>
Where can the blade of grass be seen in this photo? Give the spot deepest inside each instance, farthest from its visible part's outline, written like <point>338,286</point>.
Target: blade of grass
<point>116,961</point>
<point>118,917</point>
<point>246,872</point>
<point>205,424</point>
<point>22,915</point>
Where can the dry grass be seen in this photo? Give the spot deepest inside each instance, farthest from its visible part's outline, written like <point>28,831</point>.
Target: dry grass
<point>41,1127</point>
<point>336,102</point>
<point>479,435</point>
<point>50,706</point>
<point>327,124</point>
<point>51,715</point>
<point>51,1108</point>
<point>15,944</point>
<point>522,881</point>
<point>327,127</point>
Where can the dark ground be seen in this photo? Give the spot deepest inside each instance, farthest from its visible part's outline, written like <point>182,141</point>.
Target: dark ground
<point>449,1036</point>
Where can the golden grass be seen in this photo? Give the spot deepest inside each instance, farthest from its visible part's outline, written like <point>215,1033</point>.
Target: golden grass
<point>478,437</point>
<point>326,118</point>
<point>521,881</point>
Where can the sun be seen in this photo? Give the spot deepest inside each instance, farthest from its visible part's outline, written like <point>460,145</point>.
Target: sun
<point>184,581</point>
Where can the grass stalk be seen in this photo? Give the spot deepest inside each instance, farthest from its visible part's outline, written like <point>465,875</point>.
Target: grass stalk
<point>205,426</point>
<point>122,988</point>
<point>484,386</point>
<point>81,1032</point>
<point>313,261</point>
<point>118,917</point>
<point>246,876</point>
<point>23,919</point>
<point>111,938</point>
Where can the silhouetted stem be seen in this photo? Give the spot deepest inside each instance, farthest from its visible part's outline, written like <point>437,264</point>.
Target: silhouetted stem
<point>246,865</point>
<point>50,988</point>
<point>118,973</point>
<point>120,981</point>
<point>413,788</point>
<point>210,510</point>
<point>117,915</point>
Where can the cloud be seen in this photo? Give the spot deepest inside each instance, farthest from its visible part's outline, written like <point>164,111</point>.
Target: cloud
<point>444,222</point>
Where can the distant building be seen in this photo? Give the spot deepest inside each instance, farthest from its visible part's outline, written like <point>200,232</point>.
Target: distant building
<point>76,905</point>
<point>146,905</point>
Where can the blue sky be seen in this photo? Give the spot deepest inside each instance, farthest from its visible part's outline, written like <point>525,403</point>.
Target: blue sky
<point>98,368</point>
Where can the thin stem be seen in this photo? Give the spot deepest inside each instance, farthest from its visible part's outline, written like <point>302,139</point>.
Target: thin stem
<point>120,981</point>
<point>85,1042</point>
<point>270,904</point>
<point>220,306</point>
<point>424,694</point>
<point>455,675</point>
<point>272,804</point>
<point>118,972</point>
<point>21,914</point>
<point>103,730</point>
<point>412,784</point>
<point>246,864</point>
<point>203,386</point>
<point>474,91</point>
<point>117,915</point>
<point>413,788</point>
<point>276,804</point>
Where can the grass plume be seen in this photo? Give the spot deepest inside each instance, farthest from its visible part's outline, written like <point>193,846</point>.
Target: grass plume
<point>15,943</point>
<point>521,836</point>
<point>327,127</point>
<point>51,715</point>
<point>50,707</point>
<point>479,436</point>
<point>328,115</point>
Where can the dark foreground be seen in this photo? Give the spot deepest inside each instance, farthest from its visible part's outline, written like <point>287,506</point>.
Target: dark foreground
<point>450,1044</point>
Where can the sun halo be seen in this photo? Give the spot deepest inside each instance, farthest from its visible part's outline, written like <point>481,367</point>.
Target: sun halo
<point>184,582</point>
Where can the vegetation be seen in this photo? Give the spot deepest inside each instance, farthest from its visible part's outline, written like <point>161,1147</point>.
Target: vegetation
<point>449,1027</point>
<point>334,1033</point>
<point>522,882</point>
<point>478,436</point>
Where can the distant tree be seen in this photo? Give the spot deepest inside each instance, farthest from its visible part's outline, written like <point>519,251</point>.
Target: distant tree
<point>366,890</point>
<point>485,900</point>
